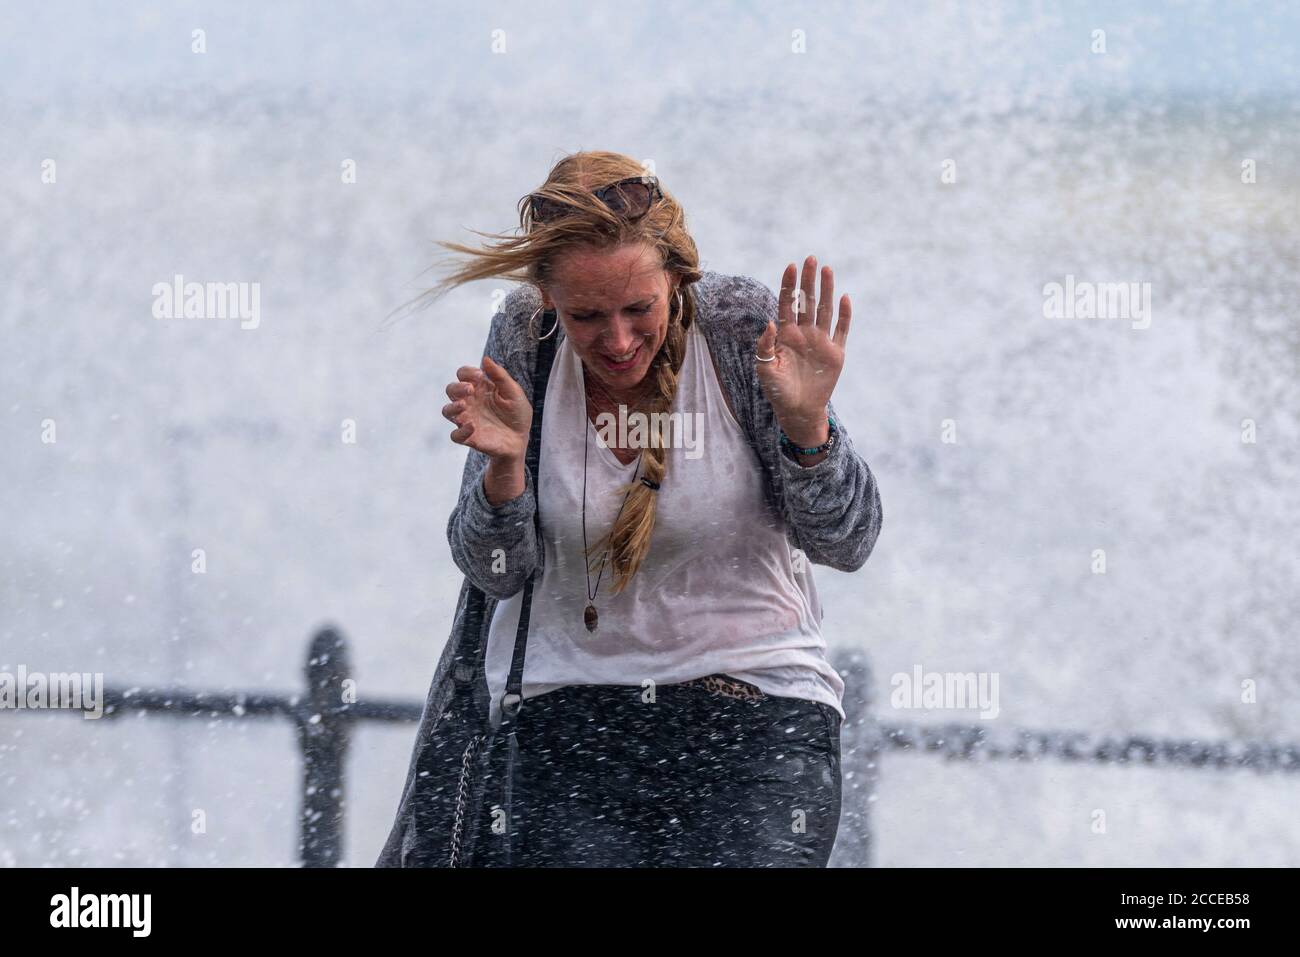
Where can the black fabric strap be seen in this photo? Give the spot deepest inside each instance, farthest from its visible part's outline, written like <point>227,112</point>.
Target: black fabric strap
<point>541,374</point>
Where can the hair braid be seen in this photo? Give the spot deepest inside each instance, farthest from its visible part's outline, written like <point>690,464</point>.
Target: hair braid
<point>629,540</point>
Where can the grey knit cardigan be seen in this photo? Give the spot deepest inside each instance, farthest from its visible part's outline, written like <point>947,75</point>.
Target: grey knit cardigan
<point>831,510</point>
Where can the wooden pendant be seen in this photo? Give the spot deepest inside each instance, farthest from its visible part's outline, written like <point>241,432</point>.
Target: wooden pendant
<point>589,617</point>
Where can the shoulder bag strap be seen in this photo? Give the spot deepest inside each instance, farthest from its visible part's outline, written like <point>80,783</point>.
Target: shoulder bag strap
<point>541,375</point>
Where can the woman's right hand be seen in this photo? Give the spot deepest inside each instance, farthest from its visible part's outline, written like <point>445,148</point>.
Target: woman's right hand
<point>491,413</point>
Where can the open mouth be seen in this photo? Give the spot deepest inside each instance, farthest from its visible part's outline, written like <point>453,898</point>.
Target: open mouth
<point>621,363</point>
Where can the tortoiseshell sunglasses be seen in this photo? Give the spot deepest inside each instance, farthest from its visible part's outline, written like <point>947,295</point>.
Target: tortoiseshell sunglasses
<point>629,197</point>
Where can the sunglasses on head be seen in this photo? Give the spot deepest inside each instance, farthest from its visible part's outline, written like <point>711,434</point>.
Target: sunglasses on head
<point>630,198</point>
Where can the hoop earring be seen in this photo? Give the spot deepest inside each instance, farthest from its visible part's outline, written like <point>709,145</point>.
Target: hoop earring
<point>533,331</point>
<point>680,307</point>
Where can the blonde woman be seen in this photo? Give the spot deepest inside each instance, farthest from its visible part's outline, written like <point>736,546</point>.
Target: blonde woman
<point>676,705</point>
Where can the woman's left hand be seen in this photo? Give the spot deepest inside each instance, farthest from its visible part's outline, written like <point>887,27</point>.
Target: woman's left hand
<point>809,357</point>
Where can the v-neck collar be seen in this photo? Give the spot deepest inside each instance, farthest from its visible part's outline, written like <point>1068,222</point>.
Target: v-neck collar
<point>607,454</point>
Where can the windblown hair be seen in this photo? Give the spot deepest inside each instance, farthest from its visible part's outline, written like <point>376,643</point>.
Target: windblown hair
<point>530,257</point>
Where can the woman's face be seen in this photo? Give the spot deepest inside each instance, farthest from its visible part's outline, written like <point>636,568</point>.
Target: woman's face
<point>614,305</point>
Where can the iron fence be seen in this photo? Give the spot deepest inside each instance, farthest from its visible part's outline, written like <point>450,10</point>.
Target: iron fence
<point>325,714</point>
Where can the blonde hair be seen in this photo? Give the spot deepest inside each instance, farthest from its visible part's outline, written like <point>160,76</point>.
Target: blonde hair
<point>531,256</point>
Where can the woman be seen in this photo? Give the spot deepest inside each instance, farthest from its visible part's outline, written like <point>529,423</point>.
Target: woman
<point>678,707</point>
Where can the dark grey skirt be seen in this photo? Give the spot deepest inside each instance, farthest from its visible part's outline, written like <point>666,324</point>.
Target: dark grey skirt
<point>610,776</point>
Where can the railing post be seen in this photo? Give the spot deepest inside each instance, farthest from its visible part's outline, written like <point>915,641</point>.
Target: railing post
<point>860,762</point>
<point>323,731</point>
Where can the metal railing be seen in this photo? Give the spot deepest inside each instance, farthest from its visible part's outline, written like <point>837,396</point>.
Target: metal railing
<point>324,717</point>
<point>865,738</point>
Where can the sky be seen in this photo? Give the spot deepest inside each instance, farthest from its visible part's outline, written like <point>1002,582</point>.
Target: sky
<point>400,49</point>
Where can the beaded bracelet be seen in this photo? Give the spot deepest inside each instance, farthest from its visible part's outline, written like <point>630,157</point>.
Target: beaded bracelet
<point>792,449</point>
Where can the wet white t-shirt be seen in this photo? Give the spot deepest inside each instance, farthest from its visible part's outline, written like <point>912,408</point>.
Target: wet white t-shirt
<point>719,590</point>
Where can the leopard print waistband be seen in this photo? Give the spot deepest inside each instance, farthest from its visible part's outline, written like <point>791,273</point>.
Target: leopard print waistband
<point>727,686</point>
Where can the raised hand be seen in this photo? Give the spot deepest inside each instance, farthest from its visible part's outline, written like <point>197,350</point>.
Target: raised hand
<point>490,411</point>
<point>808,355</point>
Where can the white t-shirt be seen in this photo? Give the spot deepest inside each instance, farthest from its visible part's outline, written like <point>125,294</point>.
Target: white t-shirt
<point>718,590</point>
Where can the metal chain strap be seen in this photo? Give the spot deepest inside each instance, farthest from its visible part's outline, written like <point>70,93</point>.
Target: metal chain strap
<point>541,374</point>
<point>458,824</point>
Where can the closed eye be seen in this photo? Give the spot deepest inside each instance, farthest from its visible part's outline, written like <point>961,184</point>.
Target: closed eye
<point>639,310</point>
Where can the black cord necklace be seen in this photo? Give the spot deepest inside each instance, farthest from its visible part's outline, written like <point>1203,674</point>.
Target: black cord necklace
<point>589,616</point>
